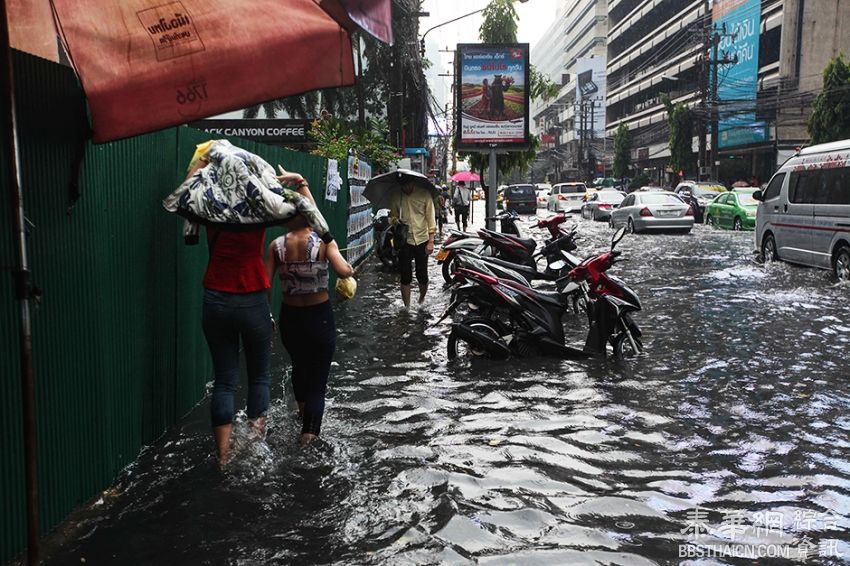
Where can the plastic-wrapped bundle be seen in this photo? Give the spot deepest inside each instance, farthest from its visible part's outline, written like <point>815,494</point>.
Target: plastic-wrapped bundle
<point>239,190</point>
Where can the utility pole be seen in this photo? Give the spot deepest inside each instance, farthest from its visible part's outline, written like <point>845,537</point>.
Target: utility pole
<point>591,163</point>
<point>580,164</point>
<point>450,117</point>
<point>715,103</point>
<point>705,37</point>
<point>361,105</point>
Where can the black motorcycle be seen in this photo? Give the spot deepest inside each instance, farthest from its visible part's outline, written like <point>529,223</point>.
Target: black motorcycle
<point>514,319</point>
<point>385,245</point>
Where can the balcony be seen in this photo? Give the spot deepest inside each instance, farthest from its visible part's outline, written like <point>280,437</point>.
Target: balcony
<point>644,21</point>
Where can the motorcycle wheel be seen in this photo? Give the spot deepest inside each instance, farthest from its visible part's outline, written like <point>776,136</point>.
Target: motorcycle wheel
<point>623,347</point>
<point>449,267</point>
<point>458,347</point>
<point>385,254</point>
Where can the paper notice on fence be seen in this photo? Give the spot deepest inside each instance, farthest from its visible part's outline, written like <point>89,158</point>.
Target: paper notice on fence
<point>333,181</point>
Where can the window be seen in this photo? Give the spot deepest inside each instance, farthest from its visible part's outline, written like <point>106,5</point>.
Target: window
<point>804,186</point>
<point>628,201</point>
<point>772,190</point>
<point>522,190</point>
<point>611,197</point>
<point>709,190</point>
<point>660,198</point>
<point>836,186</point>
<point>746,199</point>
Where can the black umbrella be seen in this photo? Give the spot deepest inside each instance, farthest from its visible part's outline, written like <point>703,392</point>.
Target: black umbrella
<point>380,189</point>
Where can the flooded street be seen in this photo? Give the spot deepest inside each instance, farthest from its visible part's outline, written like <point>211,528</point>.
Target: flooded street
<point>732,429</point>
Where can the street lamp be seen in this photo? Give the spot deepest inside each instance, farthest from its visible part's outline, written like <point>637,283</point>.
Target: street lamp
<point>422,40</point>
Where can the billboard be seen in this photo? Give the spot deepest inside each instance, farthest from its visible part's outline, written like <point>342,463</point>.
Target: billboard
<point>737,83</point>
<point>591,86</point>
<point>492,95</point>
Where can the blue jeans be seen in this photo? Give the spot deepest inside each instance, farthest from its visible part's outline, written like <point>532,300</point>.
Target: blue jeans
<point>227,318</point>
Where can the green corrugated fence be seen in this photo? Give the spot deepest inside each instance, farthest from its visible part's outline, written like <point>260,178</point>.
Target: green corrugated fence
<point>121,296</point>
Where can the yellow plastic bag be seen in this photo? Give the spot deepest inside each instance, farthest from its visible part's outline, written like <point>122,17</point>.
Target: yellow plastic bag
<point>345,288</point>
<point>202,149</point>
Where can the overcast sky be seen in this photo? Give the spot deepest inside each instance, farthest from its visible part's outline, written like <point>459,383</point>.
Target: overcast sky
<point>535,16</point>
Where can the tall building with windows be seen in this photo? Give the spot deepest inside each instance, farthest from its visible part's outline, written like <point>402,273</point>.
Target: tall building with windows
<point>658,47</point>
<point>574,41</point>
<point>812,34</point>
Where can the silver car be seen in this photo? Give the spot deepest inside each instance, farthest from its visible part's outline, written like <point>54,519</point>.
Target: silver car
<point>600,204</point>
<point>648,211</point>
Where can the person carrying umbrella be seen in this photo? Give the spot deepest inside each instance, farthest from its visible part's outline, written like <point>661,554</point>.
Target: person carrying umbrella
<point>414,206</point>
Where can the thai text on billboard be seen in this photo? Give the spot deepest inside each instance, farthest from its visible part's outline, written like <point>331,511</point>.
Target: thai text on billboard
<point>492,81</point>
<point>737,83</point>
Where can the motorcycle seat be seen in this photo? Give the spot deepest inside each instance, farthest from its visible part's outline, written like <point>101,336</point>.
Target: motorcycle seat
<point>528,243</point>
<point>453,232</point>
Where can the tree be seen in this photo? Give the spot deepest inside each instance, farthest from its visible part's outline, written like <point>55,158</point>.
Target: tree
<point>391,83</point>
<point>335,138</point>
<point>830,119</point>
<point>681,136</point>
<point>622,152</point>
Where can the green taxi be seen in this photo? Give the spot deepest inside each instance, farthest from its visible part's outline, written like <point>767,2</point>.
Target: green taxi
<point>735,209</point>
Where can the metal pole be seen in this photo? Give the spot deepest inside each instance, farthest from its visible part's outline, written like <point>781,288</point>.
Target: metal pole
<point>491,191</point>
<point>22,292</point>
<point>715,110</point>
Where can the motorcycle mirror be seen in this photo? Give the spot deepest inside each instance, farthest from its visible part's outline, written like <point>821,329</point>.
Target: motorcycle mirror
<point>618,235</point>
<point>558,265</point>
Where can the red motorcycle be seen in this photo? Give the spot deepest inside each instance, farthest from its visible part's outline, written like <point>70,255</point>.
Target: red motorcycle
<point>514,319</point>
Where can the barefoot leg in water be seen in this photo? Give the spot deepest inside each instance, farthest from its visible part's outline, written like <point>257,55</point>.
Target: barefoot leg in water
<point>222,442</point>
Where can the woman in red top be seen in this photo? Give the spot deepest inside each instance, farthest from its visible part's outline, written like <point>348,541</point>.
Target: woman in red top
<point>236,308</point>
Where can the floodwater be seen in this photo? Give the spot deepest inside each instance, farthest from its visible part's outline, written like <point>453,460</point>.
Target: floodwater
<point>728,442</point>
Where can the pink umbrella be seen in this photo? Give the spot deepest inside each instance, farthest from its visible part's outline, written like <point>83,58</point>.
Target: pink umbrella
<point>465,176</point>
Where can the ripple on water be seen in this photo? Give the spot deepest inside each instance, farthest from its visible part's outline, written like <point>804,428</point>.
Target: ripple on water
<point>739,405</point>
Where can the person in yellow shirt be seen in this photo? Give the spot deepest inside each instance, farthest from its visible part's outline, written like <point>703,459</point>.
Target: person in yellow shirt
<point>414,206</point>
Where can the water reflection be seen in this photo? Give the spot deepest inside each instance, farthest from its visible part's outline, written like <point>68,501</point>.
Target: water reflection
<point>739,407</point>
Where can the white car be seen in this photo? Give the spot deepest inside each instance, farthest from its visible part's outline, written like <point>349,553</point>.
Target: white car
<point>542,192</point>
<point>567,197</point>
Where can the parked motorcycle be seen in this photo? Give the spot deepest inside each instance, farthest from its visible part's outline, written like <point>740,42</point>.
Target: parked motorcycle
<point>385,246</point>
<point>457,240</point>
<point>558,261</point>
<point>514,319</point>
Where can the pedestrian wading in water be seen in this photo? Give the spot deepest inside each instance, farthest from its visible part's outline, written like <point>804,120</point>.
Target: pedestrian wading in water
<point>414,207</point>
<point>236,309</point>
<point>307,327</point>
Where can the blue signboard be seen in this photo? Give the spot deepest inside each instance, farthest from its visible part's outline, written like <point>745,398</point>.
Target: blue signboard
<point>737,83</point>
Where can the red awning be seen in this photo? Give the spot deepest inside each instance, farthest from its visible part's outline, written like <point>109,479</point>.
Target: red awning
<point>150,64</point>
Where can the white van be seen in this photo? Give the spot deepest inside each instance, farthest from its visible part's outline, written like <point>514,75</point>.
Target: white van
<point>804,212</point>
<point>567,197</point>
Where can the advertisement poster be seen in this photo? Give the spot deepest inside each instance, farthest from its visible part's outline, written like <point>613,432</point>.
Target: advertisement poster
<point>333,181</point>
<point>360,234</point>
<point>737,83</point>
<point>492,91</point>
<point>591,87</point>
